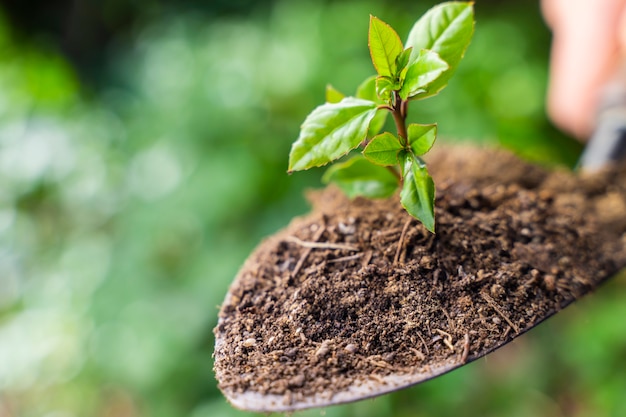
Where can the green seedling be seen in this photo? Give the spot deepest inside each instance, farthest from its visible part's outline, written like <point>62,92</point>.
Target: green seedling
<point>417,70</point>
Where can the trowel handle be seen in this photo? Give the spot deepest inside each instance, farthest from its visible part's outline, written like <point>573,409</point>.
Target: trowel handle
<point>608,142</point>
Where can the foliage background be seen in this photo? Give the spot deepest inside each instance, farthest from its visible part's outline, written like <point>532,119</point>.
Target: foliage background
<point>143,149</point>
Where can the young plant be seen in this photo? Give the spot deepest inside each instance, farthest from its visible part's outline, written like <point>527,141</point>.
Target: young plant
<point>414,71</point>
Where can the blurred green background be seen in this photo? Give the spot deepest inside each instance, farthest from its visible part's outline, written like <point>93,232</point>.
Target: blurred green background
<point>143,150</point>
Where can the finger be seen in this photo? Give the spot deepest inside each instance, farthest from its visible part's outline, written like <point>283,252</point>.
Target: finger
<point>585,53</point>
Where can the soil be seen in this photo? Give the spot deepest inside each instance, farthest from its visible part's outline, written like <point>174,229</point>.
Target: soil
<point>359,291</point>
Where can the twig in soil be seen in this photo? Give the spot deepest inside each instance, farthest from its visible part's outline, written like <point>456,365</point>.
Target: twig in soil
<point>493,305</point>
<point>306,253</point>
<point>436,275</point>
<point>450,322</point>
<point>367,259</point>
<point>401,241</point>
<point>318,245</point>
<point>380,364</point>
<point>419,354</point>
<point>466,346</point>
<point>447,339</point>
<point>346,258</point>
<point>419,334</point>
<point>376,378</point>
<point>506,332</point>
<point>389,232</point>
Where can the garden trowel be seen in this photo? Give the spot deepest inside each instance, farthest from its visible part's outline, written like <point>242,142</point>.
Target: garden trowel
<point>608,142</point>
<point>606,146</point>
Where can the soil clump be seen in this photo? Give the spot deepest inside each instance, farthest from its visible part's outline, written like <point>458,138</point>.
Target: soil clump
<point>358,290</point>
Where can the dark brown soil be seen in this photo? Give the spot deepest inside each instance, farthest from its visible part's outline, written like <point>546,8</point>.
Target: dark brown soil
<point>358,290</point>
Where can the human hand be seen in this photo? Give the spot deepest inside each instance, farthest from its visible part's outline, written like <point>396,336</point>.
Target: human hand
<point>588,47</point>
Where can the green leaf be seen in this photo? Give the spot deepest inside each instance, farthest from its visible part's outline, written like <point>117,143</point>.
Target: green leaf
<point>333,95</point>
<point>447,30</point>
<point>418,192</point>
<point>377,123</point>
<point>384,87</point>
<point>421,73</point>
<point>331,131</point>
<point>358,177</point>
<point>421,138</point>
<point>403,59</point>
<point>367,89</point>
<point>383,149</point>
<point>385,47</point>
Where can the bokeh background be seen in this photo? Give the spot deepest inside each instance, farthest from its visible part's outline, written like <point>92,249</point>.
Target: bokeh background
<point>143,150</point>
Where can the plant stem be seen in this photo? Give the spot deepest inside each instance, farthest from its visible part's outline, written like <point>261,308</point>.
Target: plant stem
<point>395,172</point>
<point>399,117</point>
<point>399,112</point>
<point>404,104</point>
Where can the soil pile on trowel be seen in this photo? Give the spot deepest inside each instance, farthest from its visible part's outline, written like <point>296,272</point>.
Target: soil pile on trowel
<point>357,298</point>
